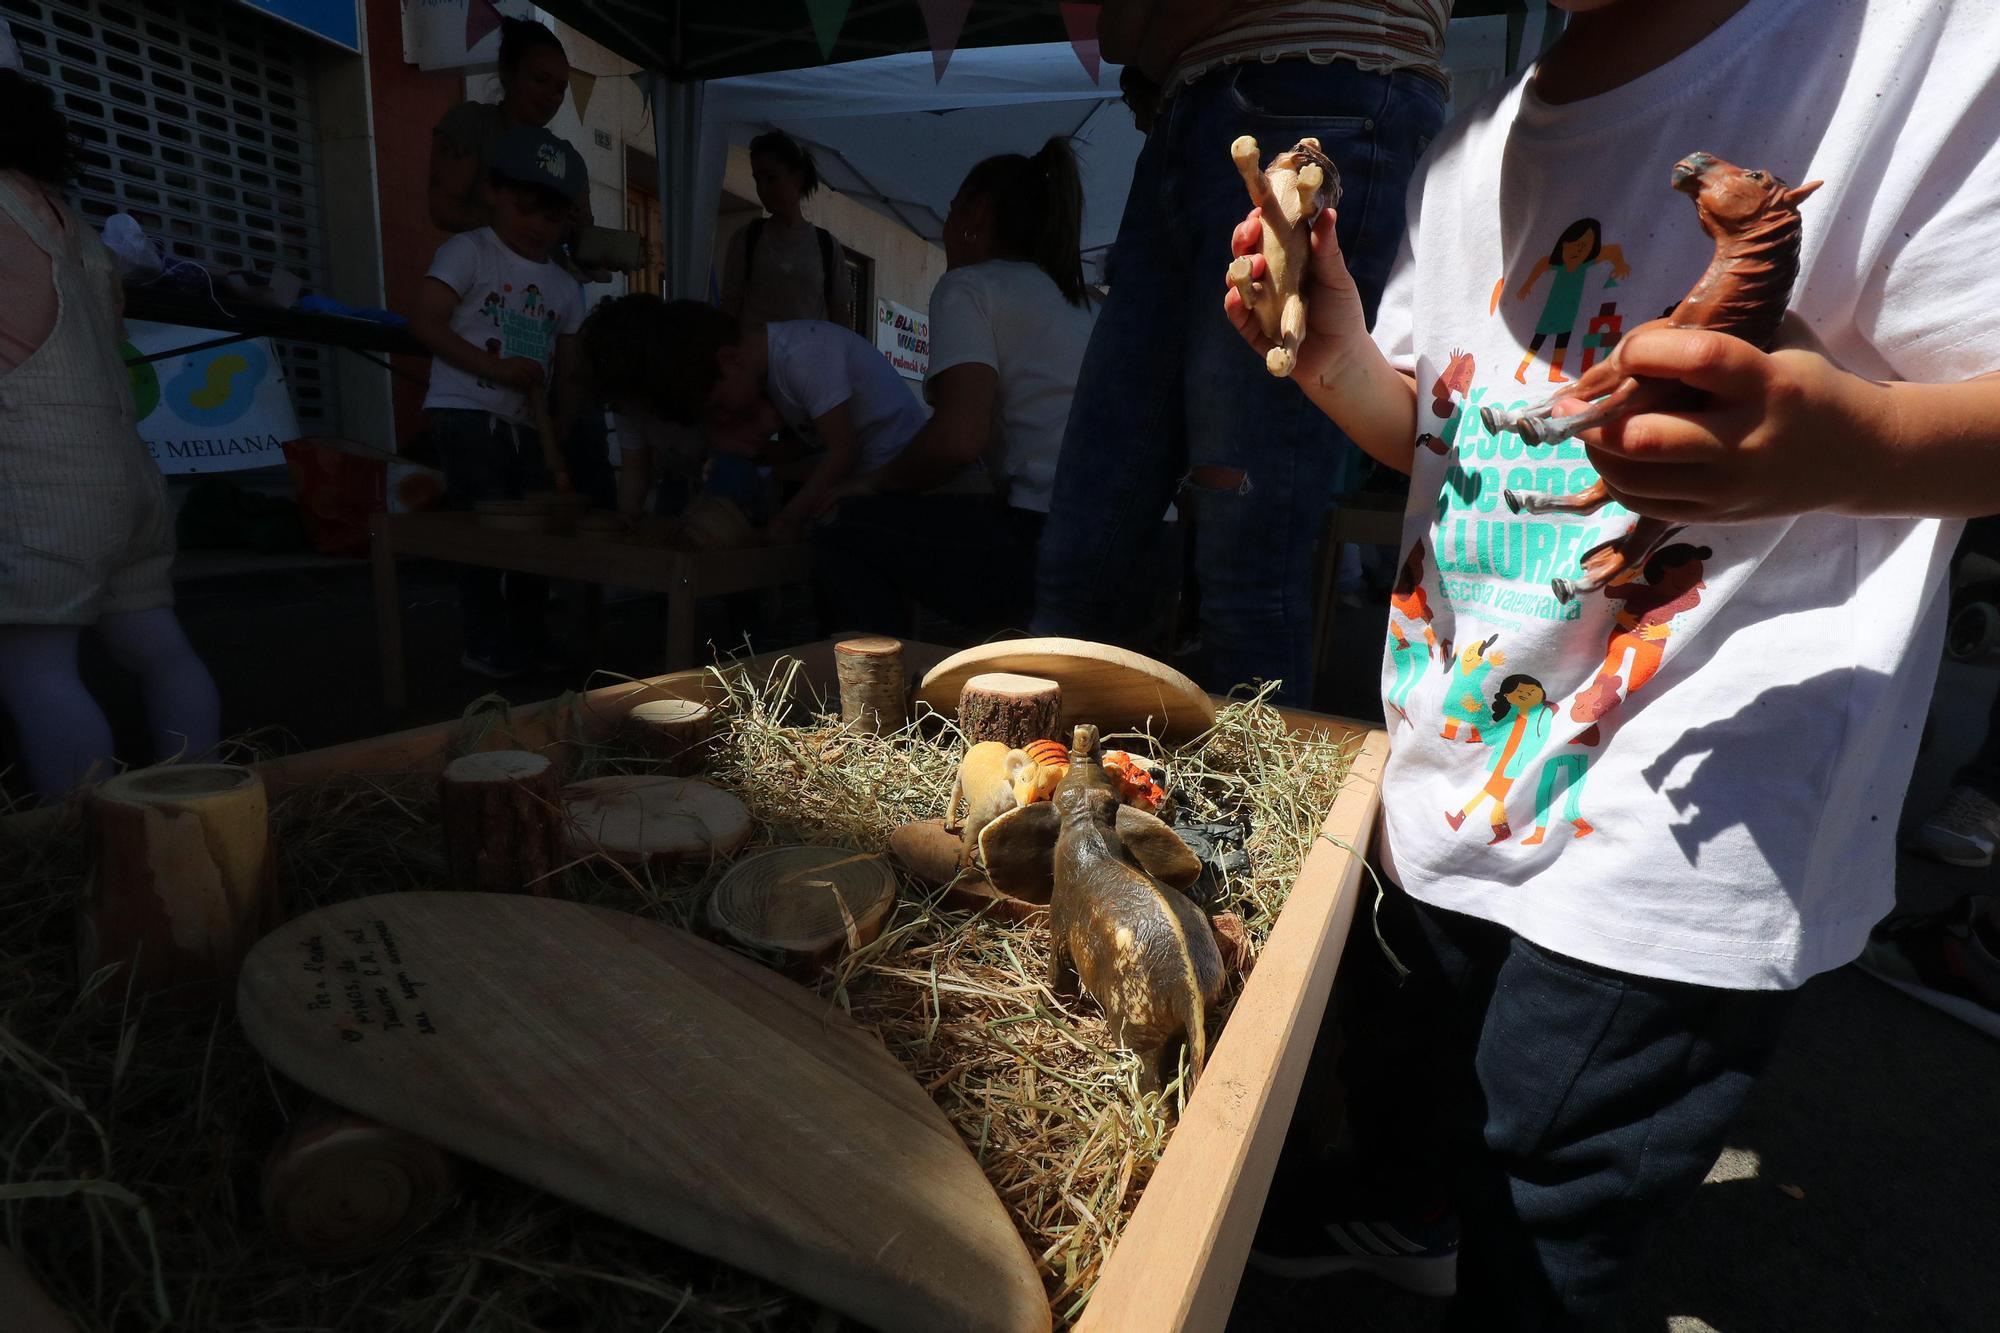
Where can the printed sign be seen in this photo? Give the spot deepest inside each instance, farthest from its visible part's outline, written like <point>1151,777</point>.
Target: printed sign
<point>216,410</point>
<point>450,34</point>
<point>903,336</point>
<point>334,20</point>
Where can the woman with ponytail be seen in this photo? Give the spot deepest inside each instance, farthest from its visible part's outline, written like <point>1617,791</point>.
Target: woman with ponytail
<point>1009,323</point>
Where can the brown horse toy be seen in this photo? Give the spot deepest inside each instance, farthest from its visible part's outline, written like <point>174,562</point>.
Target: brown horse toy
<point>1753,217</point>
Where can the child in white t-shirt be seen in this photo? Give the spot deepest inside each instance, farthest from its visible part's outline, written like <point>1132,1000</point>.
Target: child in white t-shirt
<point>499,317</point>
<point>1674,798</point>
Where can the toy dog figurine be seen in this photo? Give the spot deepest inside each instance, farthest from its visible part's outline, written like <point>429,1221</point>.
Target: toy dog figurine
<point>1143,950</point>
<point>1753,218</point>
<point>992,779</point>
<point>1291,191</point>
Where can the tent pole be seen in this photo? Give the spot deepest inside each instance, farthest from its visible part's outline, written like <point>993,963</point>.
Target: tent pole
<point>677,139</point>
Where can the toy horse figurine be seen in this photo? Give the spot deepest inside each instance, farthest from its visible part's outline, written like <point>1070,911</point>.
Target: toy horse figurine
<point>1299,182</point>
<point>1753,218</point>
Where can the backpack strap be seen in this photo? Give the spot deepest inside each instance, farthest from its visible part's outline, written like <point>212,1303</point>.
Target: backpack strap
<point>751,235</point>
<point>826,265</point>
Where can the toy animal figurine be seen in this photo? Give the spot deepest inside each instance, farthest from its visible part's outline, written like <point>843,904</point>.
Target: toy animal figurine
<point>1051,762</point>
<point>1133,781</point>
<point>1292,190</point>
<point>992,779</point>
<point>1753,217</point>
<point>1143,950</point>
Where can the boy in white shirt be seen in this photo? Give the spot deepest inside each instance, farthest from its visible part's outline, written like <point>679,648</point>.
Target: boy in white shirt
<point>499,317</point>
<point>1683,794</point>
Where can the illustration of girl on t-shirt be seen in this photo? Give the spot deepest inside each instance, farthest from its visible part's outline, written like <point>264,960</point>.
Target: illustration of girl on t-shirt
<point>1407,600</point>
<point>1579,247</point>
<point>1464,709</point>
<point>1523,720</point>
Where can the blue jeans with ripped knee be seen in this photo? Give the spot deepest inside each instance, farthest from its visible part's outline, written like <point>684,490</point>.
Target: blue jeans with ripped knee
<point>1171,405</point>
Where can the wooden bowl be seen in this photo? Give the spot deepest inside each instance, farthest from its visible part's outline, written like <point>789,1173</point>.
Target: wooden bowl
<point>807,905</point>
<point>510,515</point>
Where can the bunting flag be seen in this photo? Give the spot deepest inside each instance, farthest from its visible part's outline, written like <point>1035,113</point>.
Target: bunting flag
<point>944,20</point>
<point>582,84</point>
<point>481,18</point>
<point>1080,21</point>
<point>827,16</point>
<point>643,81</point>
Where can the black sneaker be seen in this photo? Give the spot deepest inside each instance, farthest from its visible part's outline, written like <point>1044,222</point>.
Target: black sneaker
<point>1419,1256</point>
<point>1948,960</point>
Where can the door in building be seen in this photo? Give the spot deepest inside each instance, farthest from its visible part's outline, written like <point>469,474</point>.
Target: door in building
<point>642,215</point>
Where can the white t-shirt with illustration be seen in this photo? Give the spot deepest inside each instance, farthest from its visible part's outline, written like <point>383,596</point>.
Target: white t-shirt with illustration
<point>508,305</point>
<point>816,366</point>
<point>1693,772</point>
<point>1011,316</point>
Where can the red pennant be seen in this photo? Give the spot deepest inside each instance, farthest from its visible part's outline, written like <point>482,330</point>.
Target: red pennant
<point>481,18</point>
<point>944,20</point>
<point>1080,21</point>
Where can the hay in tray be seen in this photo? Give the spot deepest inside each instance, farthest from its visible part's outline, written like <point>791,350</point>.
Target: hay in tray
<point>133,1134</point>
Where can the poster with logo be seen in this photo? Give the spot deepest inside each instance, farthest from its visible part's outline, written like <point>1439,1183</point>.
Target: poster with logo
<point>903,336</point>
<point>334,20</point>
<point>217,410</point>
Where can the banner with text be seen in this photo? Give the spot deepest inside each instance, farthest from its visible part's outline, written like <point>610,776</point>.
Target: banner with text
<point>216,410</point>
<point>903,336</point>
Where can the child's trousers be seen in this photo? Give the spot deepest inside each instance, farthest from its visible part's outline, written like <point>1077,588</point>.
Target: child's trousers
<point>1564,1109</point>
<point>489,459</point>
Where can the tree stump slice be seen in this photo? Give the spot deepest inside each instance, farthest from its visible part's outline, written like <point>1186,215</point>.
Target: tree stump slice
<point>873,695</point>
<point>341,1187</point>
<point>677,732</point>
<point>805,906</point>
<point>1012,709</point>
<point>636,819</point>
<point>185,879</point>
<point>502,814</point>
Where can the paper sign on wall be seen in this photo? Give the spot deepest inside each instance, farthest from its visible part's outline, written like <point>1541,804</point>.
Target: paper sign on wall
<point>216,410</point>
<point>450,34</point>
<point>903,336</point>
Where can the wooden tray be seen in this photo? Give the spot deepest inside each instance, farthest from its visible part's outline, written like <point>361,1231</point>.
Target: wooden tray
<point>1179,1261</point>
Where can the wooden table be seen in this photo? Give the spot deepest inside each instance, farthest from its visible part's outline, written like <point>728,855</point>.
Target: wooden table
<point>682,575</point>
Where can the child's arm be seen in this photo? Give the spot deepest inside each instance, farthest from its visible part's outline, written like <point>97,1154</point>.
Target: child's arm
<point>843,451</point>
<point>1339,366</point>
<point>430,324</point>
<point>1534,276</point>
<point>1788,432</point>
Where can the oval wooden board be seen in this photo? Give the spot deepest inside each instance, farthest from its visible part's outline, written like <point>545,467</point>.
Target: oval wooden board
<point>1114,688</point>
<point>641,1072</point>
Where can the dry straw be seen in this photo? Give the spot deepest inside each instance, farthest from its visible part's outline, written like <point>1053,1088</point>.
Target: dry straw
<point>132,1135</point>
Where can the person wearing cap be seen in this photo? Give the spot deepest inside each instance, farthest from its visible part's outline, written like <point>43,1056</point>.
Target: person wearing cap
<point>499,317</point>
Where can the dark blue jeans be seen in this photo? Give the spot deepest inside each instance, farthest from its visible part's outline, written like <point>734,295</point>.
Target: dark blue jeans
<point>488,459</point>
<point>1564,1109</point>
<point>1171,404</point>
<point>967,558</point>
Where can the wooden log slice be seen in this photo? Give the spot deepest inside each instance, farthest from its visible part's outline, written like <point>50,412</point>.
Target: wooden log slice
<point>677,732</point>
<point>635,819</point>
<point>502,815</point>
<point>805,905</point>
<point>1012,709</point>
<point>873,696</point>
<point>185,879</point>
<point>341,1187</point>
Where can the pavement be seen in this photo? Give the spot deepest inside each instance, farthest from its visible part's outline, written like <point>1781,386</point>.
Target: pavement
<point>1879,1112</point>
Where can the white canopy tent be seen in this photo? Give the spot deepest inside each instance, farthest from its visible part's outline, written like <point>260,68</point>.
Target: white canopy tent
<point>888,134</point>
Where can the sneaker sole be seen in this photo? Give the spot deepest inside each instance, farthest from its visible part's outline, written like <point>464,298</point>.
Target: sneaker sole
<point>1966,1011</point>
<point>1971,860</point>
<point>1424,1276</point>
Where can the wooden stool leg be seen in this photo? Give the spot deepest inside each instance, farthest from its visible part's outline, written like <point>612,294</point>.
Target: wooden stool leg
<point>388,615</point>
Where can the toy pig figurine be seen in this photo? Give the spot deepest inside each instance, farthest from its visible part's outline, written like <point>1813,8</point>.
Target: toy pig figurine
<point>1143,950</point>
<point>1291,191</point>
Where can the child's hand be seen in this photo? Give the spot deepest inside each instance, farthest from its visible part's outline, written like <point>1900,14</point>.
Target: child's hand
<point>518,372</point>
<point>1335,324</point>
<point>1782,433</point>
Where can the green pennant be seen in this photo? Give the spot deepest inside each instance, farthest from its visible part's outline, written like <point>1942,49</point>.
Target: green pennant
<point>643,81</point>
<point>827,16</point>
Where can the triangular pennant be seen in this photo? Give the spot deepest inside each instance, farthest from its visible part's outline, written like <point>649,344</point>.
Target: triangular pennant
<point>481,18</point>
<point>1080,21</point>
<point>643,81</point>
<point>582,83</point>
<point>944,20</point>
<point>827,16</point>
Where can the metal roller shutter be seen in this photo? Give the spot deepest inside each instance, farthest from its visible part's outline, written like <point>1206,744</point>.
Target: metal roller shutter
<point>196,118</point>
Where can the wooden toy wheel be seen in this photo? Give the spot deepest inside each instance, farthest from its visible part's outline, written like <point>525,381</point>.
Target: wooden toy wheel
<point>340,1187</point>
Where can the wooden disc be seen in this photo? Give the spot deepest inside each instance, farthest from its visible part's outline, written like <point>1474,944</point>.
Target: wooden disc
<point>341,1187</point>
<point>178,784</point>
<point>633,819</point>
<point>496,766</point>
<point>675,731</point>
<point>869,645</point>
<point>1113,688</point>
<point>804,901</point>
<point>927,851</point>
